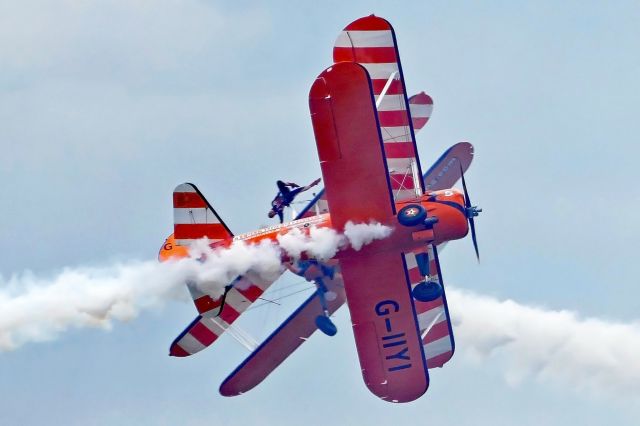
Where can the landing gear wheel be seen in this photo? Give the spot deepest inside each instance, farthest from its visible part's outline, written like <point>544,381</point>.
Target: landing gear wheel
<point>427,291</point>
<point>325,325</point>
<point>412,214</point>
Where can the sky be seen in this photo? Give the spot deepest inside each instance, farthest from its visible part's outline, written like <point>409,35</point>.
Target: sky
<point>106,106</point>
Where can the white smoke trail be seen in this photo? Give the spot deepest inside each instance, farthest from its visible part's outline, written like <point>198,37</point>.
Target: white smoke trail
<point>546,345</point>
<point>360,234</point>
<point>34,309</point>
<point>323,243</point>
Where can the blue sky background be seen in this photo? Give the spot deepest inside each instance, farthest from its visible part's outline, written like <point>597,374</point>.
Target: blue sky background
<point>105,106</point>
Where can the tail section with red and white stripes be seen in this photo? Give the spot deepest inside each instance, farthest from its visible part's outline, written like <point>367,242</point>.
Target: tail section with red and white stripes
<point>195,219</point>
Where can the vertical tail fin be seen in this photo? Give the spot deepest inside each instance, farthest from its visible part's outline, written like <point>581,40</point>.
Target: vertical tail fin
<point>194,218</point>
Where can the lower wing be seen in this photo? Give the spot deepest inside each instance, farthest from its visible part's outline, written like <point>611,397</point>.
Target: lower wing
<point>293,332</point>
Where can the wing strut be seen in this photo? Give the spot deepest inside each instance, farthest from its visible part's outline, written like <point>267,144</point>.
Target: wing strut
<point>385,88</point>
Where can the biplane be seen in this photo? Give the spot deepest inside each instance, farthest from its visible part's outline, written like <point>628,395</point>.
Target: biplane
<point>364,126</point>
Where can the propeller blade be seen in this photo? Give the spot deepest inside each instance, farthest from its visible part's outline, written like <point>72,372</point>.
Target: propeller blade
<point>467,201</point>
<point>467,204</point>
<point>473,237</point>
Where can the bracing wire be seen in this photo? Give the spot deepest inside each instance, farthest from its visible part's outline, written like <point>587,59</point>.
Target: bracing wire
<point>272,301</point>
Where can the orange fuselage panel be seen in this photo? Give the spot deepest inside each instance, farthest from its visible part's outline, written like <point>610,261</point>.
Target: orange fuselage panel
<point>447,206</point>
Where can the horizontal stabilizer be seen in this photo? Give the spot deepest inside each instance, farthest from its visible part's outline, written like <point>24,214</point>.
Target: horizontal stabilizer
<point>202,332</point>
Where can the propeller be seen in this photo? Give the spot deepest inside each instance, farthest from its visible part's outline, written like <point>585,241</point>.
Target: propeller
<point>471,212</point>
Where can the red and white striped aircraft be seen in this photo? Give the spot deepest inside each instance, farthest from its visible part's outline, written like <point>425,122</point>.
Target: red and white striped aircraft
<point>364,128</point>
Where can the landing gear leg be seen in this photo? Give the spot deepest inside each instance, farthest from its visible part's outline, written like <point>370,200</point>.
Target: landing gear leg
<point>429,289</point>
<point>323,322</point>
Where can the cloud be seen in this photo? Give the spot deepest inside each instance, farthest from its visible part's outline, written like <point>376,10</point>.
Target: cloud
<point>110,37</point>
<point>548,345</point>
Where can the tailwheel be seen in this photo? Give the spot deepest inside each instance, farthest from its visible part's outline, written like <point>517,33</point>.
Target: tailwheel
<point>427,291</point>
<point>325,325</point>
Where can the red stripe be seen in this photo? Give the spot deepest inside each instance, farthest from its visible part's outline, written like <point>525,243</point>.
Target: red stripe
<point>439,360</point>
<point>401,181</point>
<point>421,99</point>
<point>399,150</point>
<point>193,231</point>
<point>395,88</point>
<point>415,276</point>
<point>188,199</point>
<point>251,293</point>
<point>229,314</point>
<point>206,303</point>
<point>393,118</point>
<point>176,350</point>
<point>202,334</point>
<point>368,23</point>
<point>422,307</point>
<point>365,55</point>
<point>418,123</point>
<point>438,331</point>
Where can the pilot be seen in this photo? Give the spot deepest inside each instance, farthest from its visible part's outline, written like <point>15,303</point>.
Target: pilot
<point>287,191</point>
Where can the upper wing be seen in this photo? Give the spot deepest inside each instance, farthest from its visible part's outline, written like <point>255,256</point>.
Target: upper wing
<point>420,106</point>
<point>371,42</point>
<point>378,292</point>
<point>349,145</point>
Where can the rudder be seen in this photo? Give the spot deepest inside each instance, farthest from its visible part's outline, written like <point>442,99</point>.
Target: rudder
<point>194,218</point>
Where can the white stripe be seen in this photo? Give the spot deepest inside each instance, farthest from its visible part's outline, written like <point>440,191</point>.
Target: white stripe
<point>215,328</point>
<point>421,110</point>
<point>400,166</point>
<point>184,187</point>
<point>190,344</point>
<point>381,71</point>
<point>195,292</point>
<point>404,194</point>
<point>237,301</point>
<point>380,38</point>
<point>186,242</point>
<point>189,216</point>
<point>437,347</point>
<point>396,134</point>
<point>410,259</point>
<point>426,318</point>
<point>391,103</point>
